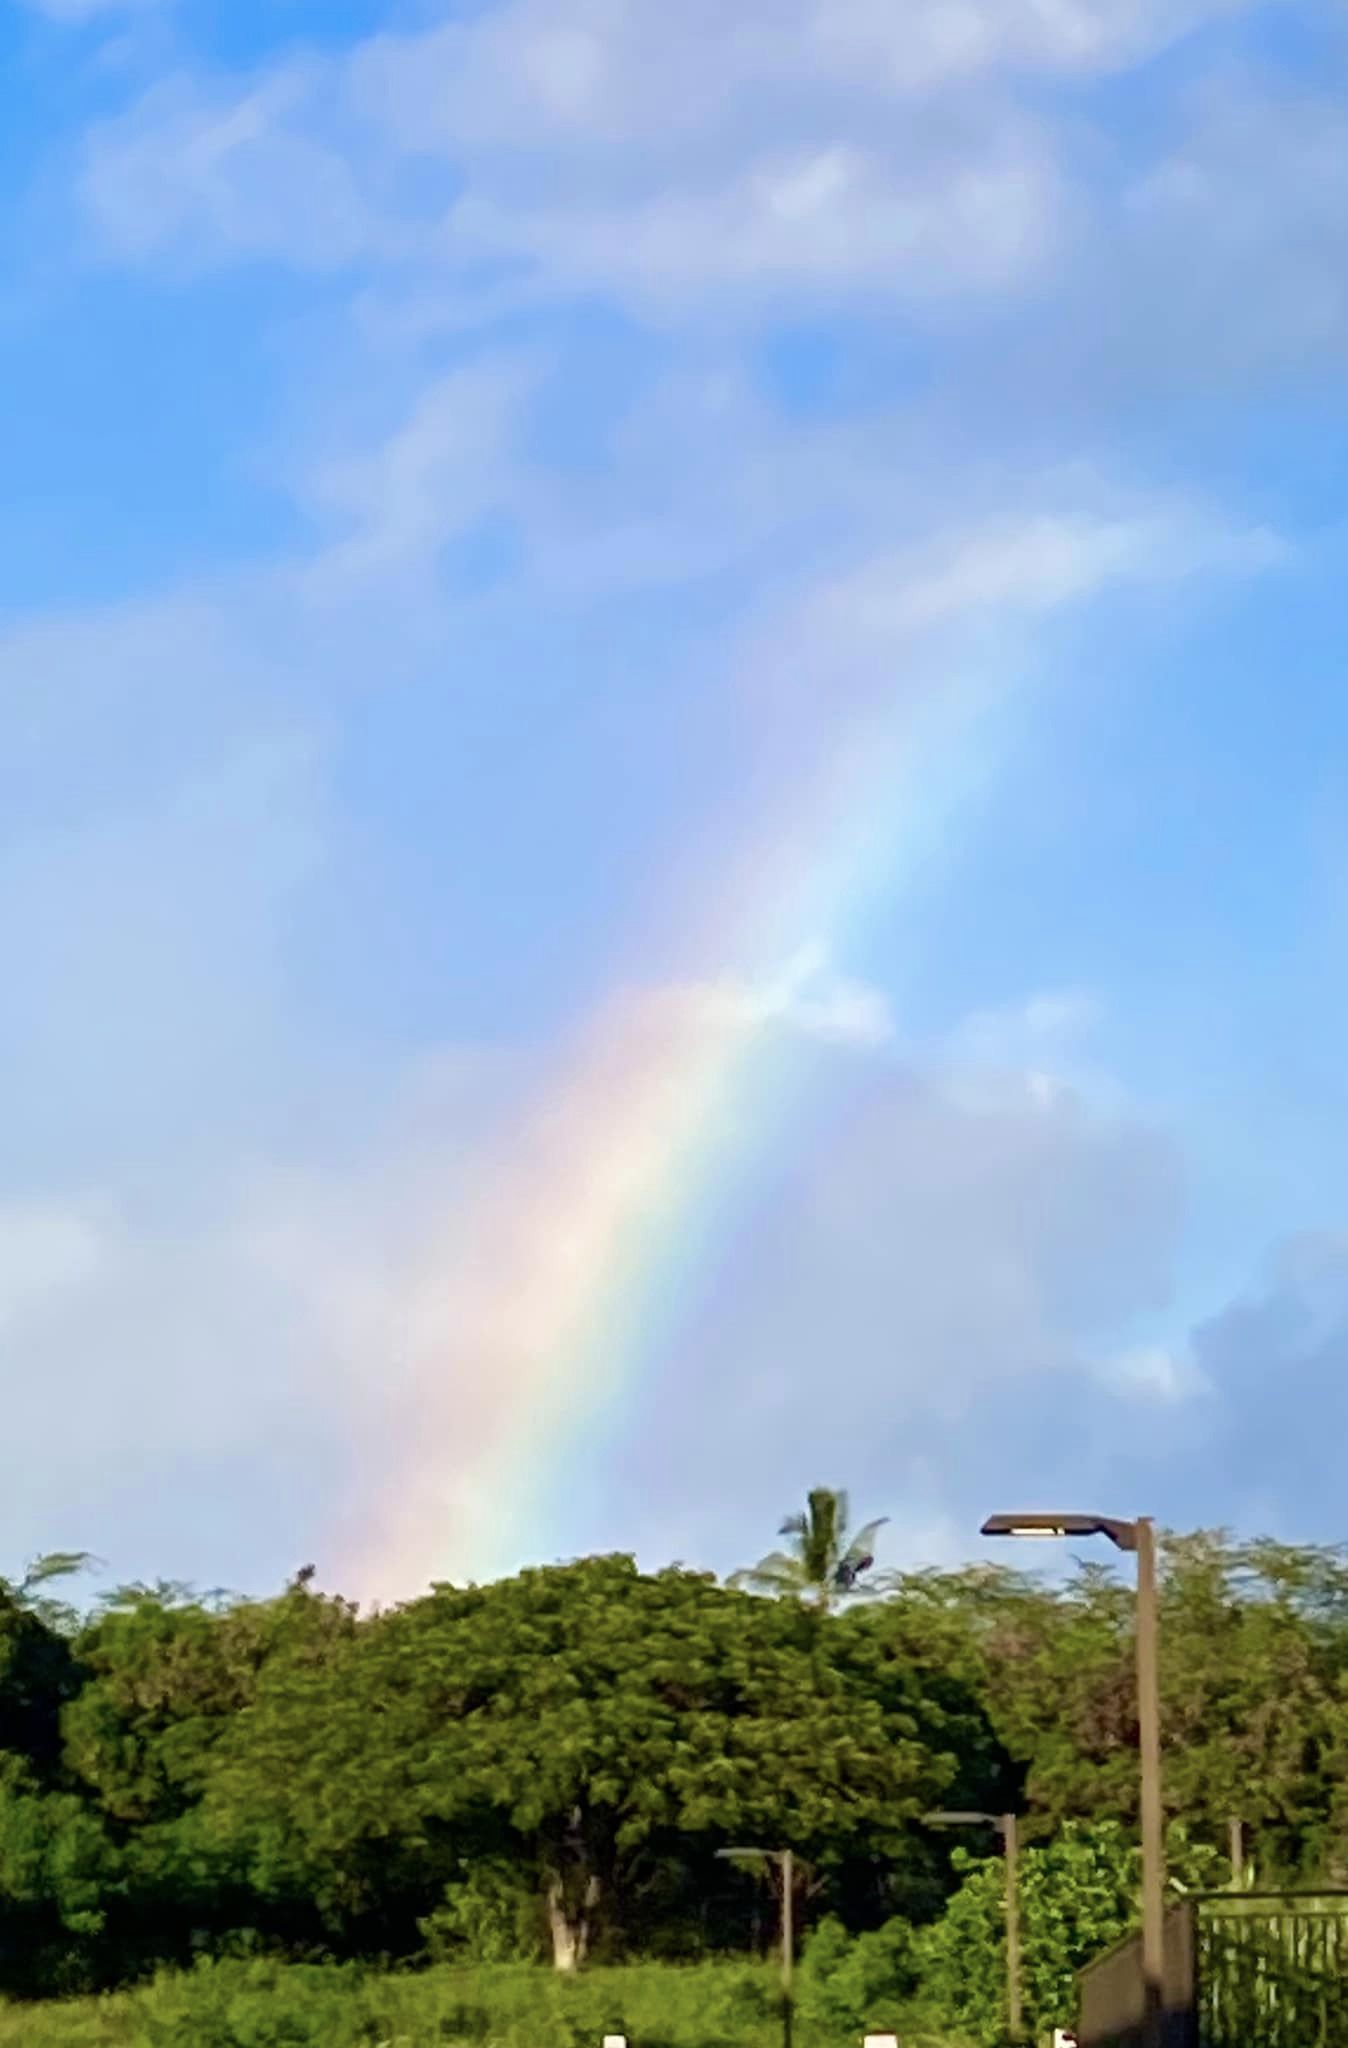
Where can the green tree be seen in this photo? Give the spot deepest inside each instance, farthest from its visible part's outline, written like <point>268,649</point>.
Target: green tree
<point>1254,1668</point>
<point>585,1724</point>
<point>57,1865</point>
<point>165,1676</point>
<point>824,1561</point>
<point>548,1766</point>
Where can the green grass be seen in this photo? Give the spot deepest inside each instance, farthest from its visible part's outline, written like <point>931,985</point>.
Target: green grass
<point>263,2005</point>
<point>269,2005</point>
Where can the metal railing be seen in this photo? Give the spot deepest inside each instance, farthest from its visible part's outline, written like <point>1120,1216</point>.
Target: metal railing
<point>1272,1972</point>
<point>1242,1970</point>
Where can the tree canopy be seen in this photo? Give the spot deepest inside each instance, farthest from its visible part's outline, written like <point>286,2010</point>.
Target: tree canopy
<point>547,1766</point>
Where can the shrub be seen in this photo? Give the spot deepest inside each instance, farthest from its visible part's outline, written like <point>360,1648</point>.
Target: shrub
<point>491,1916</point>
<point>851,1982</point>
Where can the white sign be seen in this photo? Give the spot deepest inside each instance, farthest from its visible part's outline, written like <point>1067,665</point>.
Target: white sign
<point>614,2041</point>
<point>880,2041</point>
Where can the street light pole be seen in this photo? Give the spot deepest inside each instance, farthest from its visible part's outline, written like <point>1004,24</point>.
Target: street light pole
<point>1011,1860</point>
<point>1139,1537</point>
<point>1149,1746</point>
<point>1005,1826</point>
<point>1236,1830</point>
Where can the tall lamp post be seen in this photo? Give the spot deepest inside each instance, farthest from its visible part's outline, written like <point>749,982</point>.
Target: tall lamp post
<point>786,1864</point>
<point>1004,1825</point>
<point>1139,1538</point>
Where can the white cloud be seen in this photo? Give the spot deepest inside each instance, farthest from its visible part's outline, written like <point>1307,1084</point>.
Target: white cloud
<point>808,997</point>
<point>1154,1374</point>
<point>940,39</point>
<point>46,1252</point>
<point>915,641</point>
<point>824,217</point>
<point>451,462</point>
<point>575,151</point>
<point>1030,1054</point>
<point>147,950</point>
<point>1213,264</point>
<point>196,173</point>
<point>1236,233</point>
<point>1036,563</point>
<point>601,73</point>
<point>698,477</point>
<point>1052,1023</point>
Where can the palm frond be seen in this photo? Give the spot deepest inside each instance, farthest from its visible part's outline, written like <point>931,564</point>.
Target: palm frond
<point>820,1561</point>
<point>864,1544</point>
<point>776,1573</point>
<point>55,1564</point>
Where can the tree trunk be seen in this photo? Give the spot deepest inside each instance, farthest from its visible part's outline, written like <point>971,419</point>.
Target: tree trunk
<point>569,1922</point>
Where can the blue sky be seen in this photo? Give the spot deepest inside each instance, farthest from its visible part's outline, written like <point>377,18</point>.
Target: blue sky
<point>557,545</point>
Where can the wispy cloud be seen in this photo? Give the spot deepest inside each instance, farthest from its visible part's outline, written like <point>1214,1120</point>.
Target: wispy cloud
<point>1154,1374</point>
<point>45,1252</point>
<point>452,461</point>
<point>771,183</point>
<point>595,75</point>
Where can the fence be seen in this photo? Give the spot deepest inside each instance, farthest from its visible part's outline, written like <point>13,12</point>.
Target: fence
<point>1242,1970</point>
<point>1112,1990</point>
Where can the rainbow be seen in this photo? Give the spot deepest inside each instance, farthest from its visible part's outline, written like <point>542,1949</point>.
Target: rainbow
<point>543,1303</point>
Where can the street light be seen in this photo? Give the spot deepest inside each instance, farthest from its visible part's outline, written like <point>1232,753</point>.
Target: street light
<point>786,1863</point>
<point>1139,1538</point>
<point>1003,1824</point>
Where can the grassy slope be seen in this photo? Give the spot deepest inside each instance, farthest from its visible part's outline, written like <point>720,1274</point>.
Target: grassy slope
<point>237,2005</point>
<point>260,2006</point>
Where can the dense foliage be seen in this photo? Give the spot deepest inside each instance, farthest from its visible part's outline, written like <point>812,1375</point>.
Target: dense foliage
<point>343,2005</point>
<point>545,1769</point>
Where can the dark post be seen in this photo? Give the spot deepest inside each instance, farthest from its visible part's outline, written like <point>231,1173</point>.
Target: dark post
<point>1011,1858</point>
<point>1139,1536</point>
<point>785,1861</point>
<point>1237,1828</point>
<point>788,1940</point>
<point>1149,1744</point>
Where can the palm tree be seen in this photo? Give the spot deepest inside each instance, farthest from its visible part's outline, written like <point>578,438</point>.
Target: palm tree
<point>29,1592</point>
<point>822,1564</point>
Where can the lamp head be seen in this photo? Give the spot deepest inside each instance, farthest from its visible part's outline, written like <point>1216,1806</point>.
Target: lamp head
<point>1120,1533</point>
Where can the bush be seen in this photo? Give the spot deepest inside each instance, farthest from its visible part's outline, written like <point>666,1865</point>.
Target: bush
<point>491,1916</point>
<point>1078,1895</point>
<point>259,2004</point>
<point>852,1982</point>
